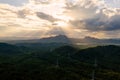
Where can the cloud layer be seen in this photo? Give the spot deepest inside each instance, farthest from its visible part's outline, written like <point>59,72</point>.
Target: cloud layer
<point>42,18</point>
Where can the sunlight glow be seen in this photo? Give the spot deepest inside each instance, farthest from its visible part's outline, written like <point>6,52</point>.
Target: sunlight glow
<point>61,24</point>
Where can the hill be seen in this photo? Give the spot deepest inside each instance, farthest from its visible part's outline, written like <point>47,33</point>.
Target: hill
<point>61,63</point>
<point>106,56</point>
<point>8,49</point>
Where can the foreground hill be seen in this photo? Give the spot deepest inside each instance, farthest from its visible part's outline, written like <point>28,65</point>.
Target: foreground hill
<point>106,56</point>
<point>61,63</point>
<point>8,49</point>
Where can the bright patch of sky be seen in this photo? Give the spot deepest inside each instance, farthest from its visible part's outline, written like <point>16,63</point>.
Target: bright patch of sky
<point>113,3</point>
<point>14,2</point>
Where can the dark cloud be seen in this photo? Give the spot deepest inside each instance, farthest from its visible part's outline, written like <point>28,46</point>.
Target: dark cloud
<point>94,24</point>
<point>94,17</point>
<point>113,23</point>
<point>99,23</point>
<point>46,17</point>
<point>21,14</point>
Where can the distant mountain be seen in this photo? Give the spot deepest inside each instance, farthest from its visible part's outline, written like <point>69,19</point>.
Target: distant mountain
<point>91,40</point>
<point>55,39</point>
<point>66,40</point>
<point>95,40</point>
<point>44,44</point>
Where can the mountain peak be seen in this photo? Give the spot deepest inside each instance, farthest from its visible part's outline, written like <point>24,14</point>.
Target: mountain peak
<point>58,38</point>
<point>61,36</point>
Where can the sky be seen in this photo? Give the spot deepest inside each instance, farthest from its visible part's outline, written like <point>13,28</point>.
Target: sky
<point>33,19</point>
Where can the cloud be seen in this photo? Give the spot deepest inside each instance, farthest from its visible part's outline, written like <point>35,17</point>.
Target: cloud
<point>110,11</point>
<point>99,23</point>
<point>93,15</point>
<point>111,24</point>
<point>70,17</point>
<point>20,22</point>
<point>23,12</point>
<point>46,17</point>
<point>112,2</point>
<point>37,2</point>
<point>81,8</point>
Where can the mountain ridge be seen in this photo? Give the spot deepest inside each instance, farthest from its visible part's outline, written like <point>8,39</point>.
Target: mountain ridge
<point>65,39</point>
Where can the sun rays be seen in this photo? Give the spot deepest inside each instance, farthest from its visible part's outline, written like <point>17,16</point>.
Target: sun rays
<point>74,18</point>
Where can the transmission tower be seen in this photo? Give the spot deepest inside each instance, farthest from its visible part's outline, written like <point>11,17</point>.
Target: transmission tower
<point>57,62</point>
<point>94,69</point>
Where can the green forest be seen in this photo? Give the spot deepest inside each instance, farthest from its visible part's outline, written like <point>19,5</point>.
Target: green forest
<point>59,62</point>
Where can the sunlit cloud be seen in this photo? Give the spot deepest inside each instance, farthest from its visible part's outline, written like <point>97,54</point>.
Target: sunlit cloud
<point>43,18</point>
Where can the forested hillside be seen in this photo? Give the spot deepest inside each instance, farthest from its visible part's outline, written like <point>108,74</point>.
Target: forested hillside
<point>59,63</point>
